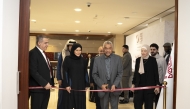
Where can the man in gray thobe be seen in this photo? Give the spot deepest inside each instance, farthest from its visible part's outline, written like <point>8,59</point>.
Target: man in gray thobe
<point>107,73</point>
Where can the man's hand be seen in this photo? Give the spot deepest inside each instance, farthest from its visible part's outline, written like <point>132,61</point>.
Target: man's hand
<point>91,84</point>
<point>104,86</point>
<point>48,86</point>
<point>86,88</point>
<point>112,88</point>
<point>59,82</point>
<point>68,89</point>
<point>133,86</point>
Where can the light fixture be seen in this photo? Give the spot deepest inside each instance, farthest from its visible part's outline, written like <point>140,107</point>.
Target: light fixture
<point>119,23</point>
<point>43,29</point>
<point>78,9</point>
<point>33,20</point>
<point>76,30</point>
<point>109,32</point>
<point>87,37</point>
<point>146,24</point>
<point>77,21</point>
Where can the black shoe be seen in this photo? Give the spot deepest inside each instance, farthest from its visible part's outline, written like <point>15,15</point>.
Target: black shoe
<point>123,101</point>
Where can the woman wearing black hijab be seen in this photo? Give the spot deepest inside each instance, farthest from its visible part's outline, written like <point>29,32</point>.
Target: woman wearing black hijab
<point>76,78</point>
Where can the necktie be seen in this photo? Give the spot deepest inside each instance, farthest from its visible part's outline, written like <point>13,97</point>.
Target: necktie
<point>48,63</point>
<point>108,68</point>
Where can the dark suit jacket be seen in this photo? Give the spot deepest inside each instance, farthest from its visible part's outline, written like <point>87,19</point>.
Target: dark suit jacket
<point>167,59</point>
<point>127,64</point>
<point>39,72</point>
<point>91,69</point>
<point>152,78</point>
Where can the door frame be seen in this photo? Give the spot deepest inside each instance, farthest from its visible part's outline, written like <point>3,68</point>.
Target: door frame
<point>23,53</point>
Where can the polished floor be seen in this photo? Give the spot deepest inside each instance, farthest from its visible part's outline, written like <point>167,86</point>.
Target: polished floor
<point>90,105</point>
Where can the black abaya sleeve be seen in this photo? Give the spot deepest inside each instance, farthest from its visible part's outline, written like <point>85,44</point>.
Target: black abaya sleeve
<point>65,72</point>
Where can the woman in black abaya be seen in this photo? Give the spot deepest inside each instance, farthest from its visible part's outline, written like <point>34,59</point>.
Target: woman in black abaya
<point>75,77</point>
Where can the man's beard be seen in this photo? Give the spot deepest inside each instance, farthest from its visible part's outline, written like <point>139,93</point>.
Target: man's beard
<point>153,54</point>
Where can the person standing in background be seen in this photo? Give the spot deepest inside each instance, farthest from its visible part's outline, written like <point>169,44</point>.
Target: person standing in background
<point>89,60</point>
<point>65,52</point>
<point>127,72</point>
<point>167,49</point>
<point>40,74</point>
<point>162,66</point>
<point>94,95</point>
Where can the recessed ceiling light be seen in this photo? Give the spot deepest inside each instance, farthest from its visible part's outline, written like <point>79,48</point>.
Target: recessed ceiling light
<point>77,21</point>
<point>146,24</point>
<point>78,9</point>
<point>43,29</point>
<point>76,30</point>
<point>33,20</point>
<point>119,23</point>
<point>109,32</point>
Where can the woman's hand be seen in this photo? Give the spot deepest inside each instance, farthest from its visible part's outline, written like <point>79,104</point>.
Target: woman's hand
<point>68,89</point>
<point>133,86</point>
<point>86,88</point>
<point>157,90</point>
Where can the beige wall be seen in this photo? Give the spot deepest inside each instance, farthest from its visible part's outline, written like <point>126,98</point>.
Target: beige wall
<point>119,42</point>
<point>89,46</point>
<point>170,17</point>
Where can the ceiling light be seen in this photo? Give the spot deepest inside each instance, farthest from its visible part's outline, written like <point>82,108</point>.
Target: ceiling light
<point>43,29</point>
<point>33,20</point>
<point>78,9</point>
<point>146,24</point>
<point>76,30</point>
<point>77,21</point>
<point>119,23</point>
<point>109,32</point>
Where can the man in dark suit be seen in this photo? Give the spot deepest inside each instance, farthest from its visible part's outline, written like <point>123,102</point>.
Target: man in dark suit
<point>40,74</point>
<point>167,49</point>
<point>107,73</point>
<point>94,95</point>
<point>127,71</point>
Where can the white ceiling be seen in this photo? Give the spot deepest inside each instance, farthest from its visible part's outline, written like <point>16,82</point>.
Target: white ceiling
<point>58,16</point>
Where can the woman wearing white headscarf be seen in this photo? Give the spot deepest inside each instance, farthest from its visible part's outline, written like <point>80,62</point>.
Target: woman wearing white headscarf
<point>146,74</point>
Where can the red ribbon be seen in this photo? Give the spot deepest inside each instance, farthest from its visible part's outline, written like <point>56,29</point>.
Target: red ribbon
<point>108,90</point>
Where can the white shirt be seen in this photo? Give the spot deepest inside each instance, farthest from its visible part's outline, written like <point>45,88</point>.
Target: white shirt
<point>45,58</point>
